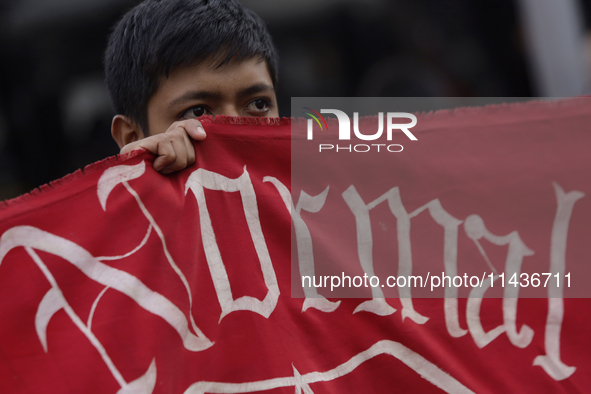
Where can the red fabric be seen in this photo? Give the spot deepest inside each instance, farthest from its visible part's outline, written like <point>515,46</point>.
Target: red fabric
<point>160,326</point>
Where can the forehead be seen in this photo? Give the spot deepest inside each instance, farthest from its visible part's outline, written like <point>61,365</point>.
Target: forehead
<point>224,81</point>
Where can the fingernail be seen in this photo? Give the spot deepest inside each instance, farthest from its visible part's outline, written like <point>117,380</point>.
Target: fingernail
<point>200,130</point>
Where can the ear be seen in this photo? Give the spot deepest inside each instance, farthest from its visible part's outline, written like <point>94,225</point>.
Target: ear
<point>125,131</point>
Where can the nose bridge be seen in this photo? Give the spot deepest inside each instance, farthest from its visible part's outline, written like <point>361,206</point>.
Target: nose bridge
<point>229,109</point>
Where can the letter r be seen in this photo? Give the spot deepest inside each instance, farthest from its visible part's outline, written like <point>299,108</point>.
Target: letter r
<point>404,126</point>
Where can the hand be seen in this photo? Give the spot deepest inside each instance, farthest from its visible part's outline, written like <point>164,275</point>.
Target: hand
<point>173,147</point>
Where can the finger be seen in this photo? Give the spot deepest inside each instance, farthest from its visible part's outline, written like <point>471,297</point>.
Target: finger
<point>180,149</point>
<point>195,129</point>
<point>150,144</point>
<point>129,147</point>
<point>190,150</point>
<point>165,151</point>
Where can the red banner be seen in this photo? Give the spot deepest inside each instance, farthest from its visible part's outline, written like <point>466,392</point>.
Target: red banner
<point>122,280</point>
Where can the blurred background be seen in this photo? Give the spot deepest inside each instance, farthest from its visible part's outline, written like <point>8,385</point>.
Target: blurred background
<point>55,111</point>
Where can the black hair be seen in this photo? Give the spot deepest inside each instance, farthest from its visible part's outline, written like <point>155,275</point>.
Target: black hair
<point>158,36</point>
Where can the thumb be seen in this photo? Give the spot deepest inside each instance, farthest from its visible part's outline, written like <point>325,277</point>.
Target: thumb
<point>195,129</point>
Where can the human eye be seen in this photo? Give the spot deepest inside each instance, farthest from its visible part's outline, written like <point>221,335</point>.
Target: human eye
<point>259,107</point>
<point>195,112</point>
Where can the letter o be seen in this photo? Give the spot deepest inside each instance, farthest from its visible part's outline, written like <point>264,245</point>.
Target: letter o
<point>395,151</point>
<point>367,146</point>
<point>398,281</point>
<point>360,281</point>
<point>377,281</point>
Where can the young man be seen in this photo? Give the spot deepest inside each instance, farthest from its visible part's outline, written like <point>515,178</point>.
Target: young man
<point>171,61</point>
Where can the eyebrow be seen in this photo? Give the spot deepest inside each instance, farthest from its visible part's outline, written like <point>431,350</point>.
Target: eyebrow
<point>255,89</point>
<point>205,95</point>
<point>195,95</point>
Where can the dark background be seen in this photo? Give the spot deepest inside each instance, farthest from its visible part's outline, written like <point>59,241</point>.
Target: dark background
<point>55,112</point>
